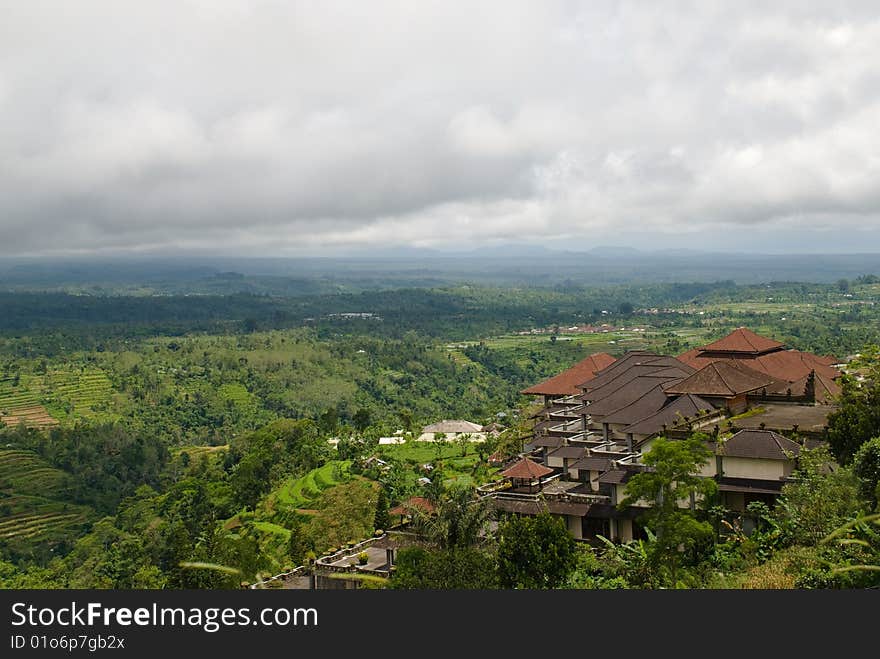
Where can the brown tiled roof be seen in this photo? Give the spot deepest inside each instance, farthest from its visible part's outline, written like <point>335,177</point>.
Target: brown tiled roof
<point>568,452</point>
<point>414,503</point>
<point>592,464</point>
<point>788,365</point>
<point>744,340</point>
<point>566,383</point>
<point>674,411</point>
<point>646,404</point>
<point>538,507</point>
<point>722,378</point>
<point>826,390</point>
<point>632,391</point>
<point>615,476</point>
<point>646,362</point>
<point>763,444</point>
<point>792,365</point>
<point>526,469</point>
<point>761,354</point>
<point>549,441</point>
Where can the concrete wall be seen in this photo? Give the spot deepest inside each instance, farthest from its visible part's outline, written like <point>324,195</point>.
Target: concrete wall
<point>555,462</point>
<point>624,530</point>
<point>755,468</point>
<point>574,526</point>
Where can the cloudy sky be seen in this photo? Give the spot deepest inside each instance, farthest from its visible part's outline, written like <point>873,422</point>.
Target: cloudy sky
<point>299,127</point>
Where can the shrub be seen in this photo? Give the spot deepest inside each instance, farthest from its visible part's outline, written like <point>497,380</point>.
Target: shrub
<point>363,558</point>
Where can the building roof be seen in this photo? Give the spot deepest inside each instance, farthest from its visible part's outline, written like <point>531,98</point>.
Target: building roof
<point>538,507</point>
<point>761,354</point>
<point>549,441</point>
<point>723,378</point>
<point>414,503</point>
<point>743,340</point>
<point>761,444</point>
<point>457,426</point>
<point>592,464</point>
<point>615,476</point>
<point>566,383</point>
<point>750,485</point>
<point>647,362</point>
<point>825,389</point>
<point>648,403</point>
<point>526,469</point>
<point>687,405</point>
<point>631,392</point>
<point>568,452</point>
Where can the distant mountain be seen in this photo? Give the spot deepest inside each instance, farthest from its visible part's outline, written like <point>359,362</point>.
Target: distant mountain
<point>614,250</point>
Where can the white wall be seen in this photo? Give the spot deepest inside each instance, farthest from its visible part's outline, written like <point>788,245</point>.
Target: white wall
<point>754,468</point>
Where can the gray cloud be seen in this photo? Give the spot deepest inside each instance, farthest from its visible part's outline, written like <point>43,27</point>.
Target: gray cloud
<point>278,127</point>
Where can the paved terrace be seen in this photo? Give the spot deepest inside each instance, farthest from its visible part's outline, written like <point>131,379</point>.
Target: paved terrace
<point>808,418</point>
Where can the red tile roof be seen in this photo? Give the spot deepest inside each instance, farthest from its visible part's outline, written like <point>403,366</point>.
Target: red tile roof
<point>787,365</point>
<point>566,383</point>
<point>526,469</point>
<point>743,340</point>
<point>742,346</point>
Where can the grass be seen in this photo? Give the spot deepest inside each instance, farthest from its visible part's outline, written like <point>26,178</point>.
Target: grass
<point>457,468</point>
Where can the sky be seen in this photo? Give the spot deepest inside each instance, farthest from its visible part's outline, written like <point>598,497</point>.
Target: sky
<point>295,128</point>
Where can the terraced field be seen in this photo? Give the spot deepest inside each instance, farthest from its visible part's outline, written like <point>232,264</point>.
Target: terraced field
<point>32,500</point>
<point>24,472</point>
<point>303,492</point>
<point>19,404</point>
<point>89,392</point>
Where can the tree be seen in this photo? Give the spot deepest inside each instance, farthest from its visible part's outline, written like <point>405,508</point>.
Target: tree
<point>535,552</point>
<point>444,569</point>
<point>818,500</point>
<point>381,519</point>
<point>298,544</point>
<point>464,441</point>
<point>673,479</point>
<point>459,519</point>
<point>362,419</point>
<point>866,467</point>
<point>858,417</point>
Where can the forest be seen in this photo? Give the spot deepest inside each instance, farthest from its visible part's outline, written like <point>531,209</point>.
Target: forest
<point>145,433</point>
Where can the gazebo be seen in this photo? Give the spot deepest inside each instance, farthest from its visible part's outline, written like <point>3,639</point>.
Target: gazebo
<point>526,474</point>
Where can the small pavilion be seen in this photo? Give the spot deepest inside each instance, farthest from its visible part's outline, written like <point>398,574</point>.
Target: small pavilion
<point>526,474</point>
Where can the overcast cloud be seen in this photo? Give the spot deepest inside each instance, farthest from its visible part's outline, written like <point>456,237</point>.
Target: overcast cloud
<point>278,127</point>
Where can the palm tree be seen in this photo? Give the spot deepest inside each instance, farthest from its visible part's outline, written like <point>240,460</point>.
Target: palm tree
<point>459,519</point>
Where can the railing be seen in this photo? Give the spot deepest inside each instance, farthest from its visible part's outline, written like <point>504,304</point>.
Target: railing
<point>325,561</point>
<point>302,569</point>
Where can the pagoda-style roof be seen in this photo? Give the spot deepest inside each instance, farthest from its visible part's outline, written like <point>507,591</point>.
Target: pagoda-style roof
<point>744,340</point>
<point>526,469</point>
<point>566,383</point>
<point>724,379</point>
